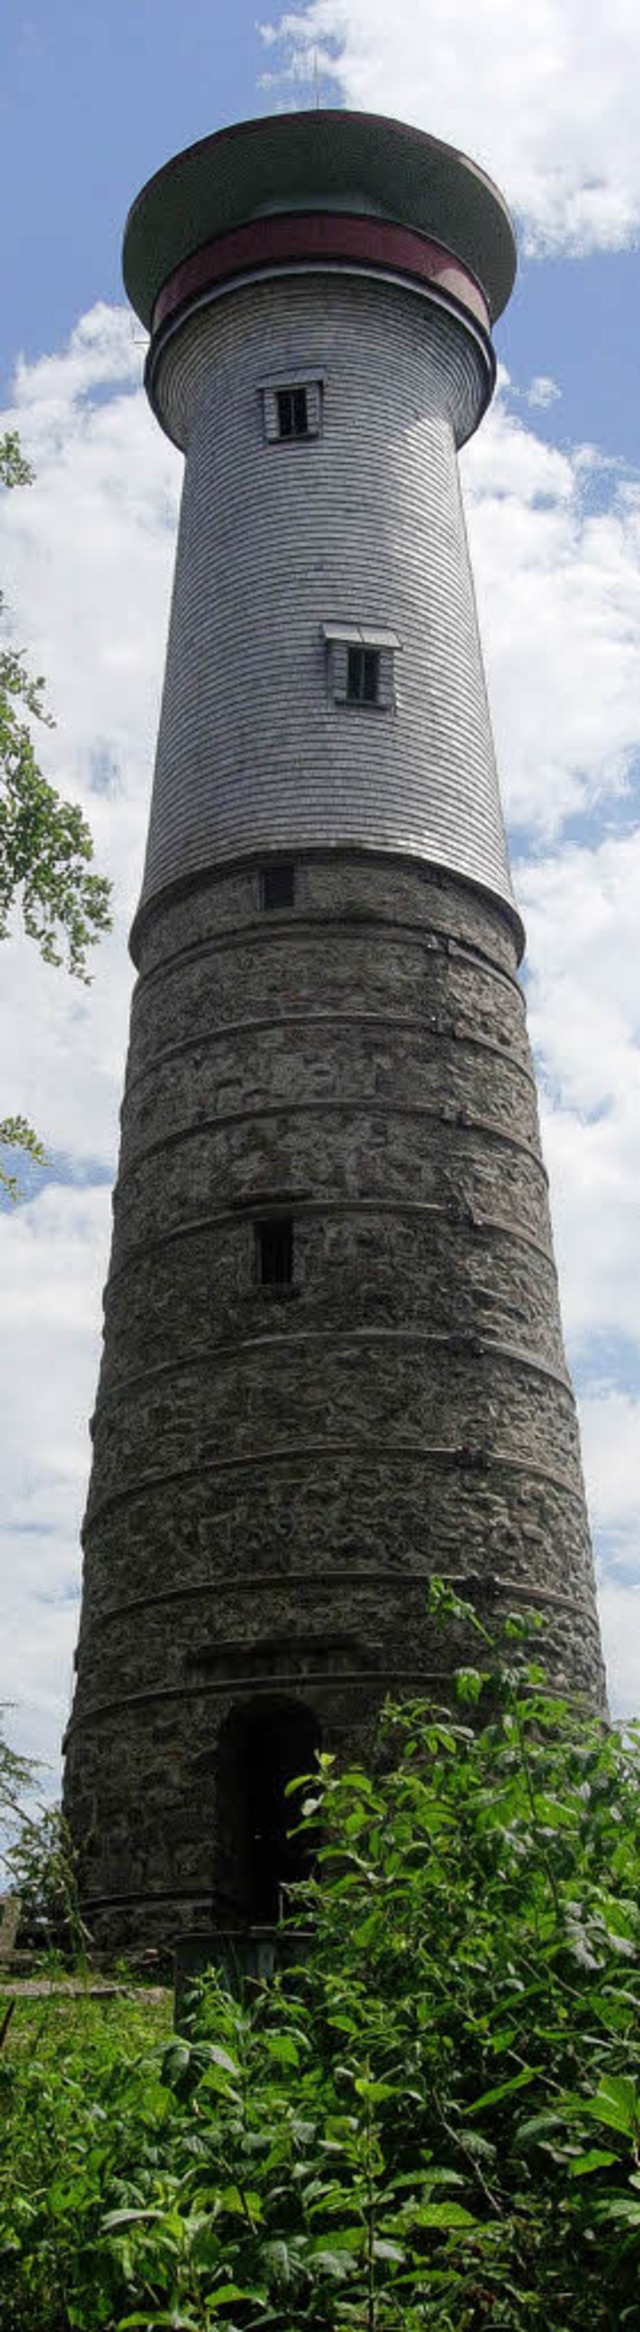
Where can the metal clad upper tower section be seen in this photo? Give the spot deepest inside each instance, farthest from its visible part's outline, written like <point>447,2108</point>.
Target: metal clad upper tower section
<point>360,254</point>
<point>320,160</point>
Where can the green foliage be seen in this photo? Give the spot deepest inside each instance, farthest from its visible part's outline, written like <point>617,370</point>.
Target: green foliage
<point>45,843</point>
<point>40,1864</point>
<point>15,470</point>
<point>17,1134</point>
<point>432,2123</point>
<point>37,1861</point>
<point>17,1781</point>
<point>46,848</point>
<point>79,2093</point>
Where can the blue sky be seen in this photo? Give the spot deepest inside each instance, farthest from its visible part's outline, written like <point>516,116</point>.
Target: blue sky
<point>92,102</point>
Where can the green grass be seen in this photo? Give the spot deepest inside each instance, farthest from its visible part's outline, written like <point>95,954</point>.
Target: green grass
<point>77,2086</point>
<point>41,2028</point>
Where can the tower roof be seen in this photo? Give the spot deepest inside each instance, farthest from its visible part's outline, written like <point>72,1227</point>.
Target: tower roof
<point>328,159</point>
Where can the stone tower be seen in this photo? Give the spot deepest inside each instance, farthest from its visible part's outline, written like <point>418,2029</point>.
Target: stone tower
<point>333,1359</point>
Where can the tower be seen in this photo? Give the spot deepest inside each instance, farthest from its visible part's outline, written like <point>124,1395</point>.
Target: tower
<point>333,1360</point>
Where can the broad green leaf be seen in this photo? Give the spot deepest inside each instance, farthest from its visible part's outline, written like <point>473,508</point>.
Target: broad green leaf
<point>241,2205</point>
<point>621,2207</point>
<point>469,1683</point>
<point>583,2164</point>
<point>329,2260</point>
<point>616,2103</point>
<point>218,2056</point>
<point>225,2292</point>
<point>175,2322</point>
<point>539,2126</point>
<point>443,2214</point>
<point>281,2046</point>
<point>369,1928</point>
<point>423,2179</point>
<point>276,2258</point>
<point>505,2089</point>
<point>614,2013</point>
<point>374,2092</point>
<point>343,2239</point>
<point>128,2218</point>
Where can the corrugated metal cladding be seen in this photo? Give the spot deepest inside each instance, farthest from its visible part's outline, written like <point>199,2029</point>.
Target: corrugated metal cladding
<point>362,525</point>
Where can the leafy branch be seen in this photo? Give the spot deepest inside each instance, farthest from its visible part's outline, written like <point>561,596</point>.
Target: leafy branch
<point>46,848</point>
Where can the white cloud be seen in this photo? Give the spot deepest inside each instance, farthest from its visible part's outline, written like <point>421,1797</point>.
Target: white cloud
<point>85,556</point>
<point>53,1257</point>
<point>611,1443</point>
<point>555,540</point>
<point>580,906</point>
<point>102,352</point>
<point>542,392</point>
<point>620,1618</point>
<point>545,97</point>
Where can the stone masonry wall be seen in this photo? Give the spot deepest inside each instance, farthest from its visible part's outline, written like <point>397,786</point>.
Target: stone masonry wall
<point>278,1473</point>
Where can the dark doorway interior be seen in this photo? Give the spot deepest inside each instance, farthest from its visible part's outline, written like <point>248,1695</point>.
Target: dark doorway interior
<point>264,1745</point>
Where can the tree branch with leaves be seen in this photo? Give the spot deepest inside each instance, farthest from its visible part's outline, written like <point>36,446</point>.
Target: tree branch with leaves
<point>46,847</point>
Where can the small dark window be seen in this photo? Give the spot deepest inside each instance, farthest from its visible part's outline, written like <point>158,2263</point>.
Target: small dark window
<point>363,675</point>
<point>360,664</point>
<point>292,412</point>
<point>277,886</point>
<point>274,1238</point>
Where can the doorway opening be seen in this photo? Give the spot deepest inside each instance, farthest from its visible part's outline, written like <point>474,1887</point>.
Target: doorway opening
<point>263,1746</point>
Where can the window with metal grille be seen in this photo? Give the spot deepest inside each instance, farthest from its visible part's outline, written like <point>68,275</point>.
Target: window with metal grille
<point>277,886</point>
<point>292,409</point>
<point>274,1245</point>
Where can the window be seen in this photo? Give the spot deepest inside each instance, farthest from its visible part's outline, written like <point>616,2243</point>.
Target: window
<point>292,408</point>
<point>277,886</point>
<point>361,664</point>
<point>274,1246</point>
<point>292,412</point>
<point>363,675</point>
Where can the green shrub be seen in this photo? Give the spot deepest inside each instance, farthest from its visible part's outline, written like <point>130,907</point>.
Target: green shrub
<point>432,2122</point>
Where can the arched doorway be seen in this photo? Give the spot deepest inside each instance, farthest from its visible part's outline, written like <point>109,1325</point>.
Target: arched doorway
<point>263,1745</point>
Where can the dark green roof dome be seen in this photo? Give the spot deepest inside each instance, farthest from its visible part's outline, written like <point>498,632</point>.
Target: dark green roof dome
<point>332,160</point>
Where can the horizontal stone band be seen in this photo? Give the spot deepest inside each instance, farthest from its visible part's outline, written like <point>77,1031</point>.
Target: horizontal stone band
<point>322,1680</point>
<point>346,1341</point>
<point>311,1583</point>
<point>434,940</point>
<point>450,1457</point>
<point>434,1025</point>
<point>362,1105</point>
<point>236,1214</point>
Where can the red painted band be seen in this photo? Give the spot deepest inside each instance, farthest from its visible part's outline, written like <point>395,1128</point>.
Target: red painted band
<point>317,235</point>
